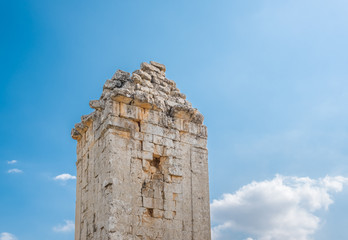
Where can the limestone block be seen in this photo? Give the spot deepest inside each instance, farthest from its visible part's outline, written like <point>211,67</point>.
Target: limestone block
<point>168,215</point>
<point>149,68</point>
<point>152,129</point>
<point>148,137</point>
<point>172,134</point>
<point>143,74</point>
<point>143,100</point>
<point>158,150</point>
<point>147,146</point>
<point>152,116</point>
<point>158,193</point>
<point>136,78</point>
<point>175,170</point>
<point>188,138</point>
<point>158,65</point>
<point>148,194</point>
<point>138,135</point>
<point>157,140</point>
<point>157,213</point>
<point>86,119</point>
<point>148,202</point>
<point>147,84</point>
<point>155,80</point>
<point>75,134</point>
<point>122,95</point>
<point>132,112</point>
<point>147,155</point>
<point>96,104</point>
<point>110,108</point>
<point>167,142</point>
<point>169,205</point>
<point>136,167</point>
<point>158,203</point>
<point>121,75</point>
<point>168,152</point>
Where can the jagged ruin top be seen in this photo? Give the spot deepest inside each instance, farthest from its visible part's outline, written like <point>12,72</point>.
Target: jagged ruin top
<point>148,88</point>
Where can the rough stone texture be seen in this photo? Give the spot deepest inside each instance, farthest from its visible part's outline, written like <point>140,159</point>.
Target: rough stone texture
<point>142,162</point>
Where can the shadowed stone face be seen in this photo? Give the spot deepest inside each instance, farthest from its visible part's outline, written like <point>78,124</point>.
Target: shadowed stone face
<point>142,162</point>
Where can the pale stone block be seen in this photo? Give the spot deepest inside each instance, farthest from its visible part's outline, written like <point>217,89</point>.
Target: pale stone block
<point>168,142</point>
<point>188,138</point>
<point>168,152</point>
<point>157,193</point>
<point>147,155</point>
<point>158,203</point>
<point>138,135</point>
<point>169,205</point>
<point>168,214</point>
<point>168,195</point>
<point>158,150</point>
<point>177,197</point>
<point>172,134</point>
<point>132,112</point>
<point>176,187</point>
<point>146,165</point>
<point>157,213</point>
<point>147,146</point>
<point>157,140</point>
<point>201,143</point>
<point>152,129</point>
<point>139,203</point>
<point>148,137</point>
<point>148,202</point>
<point>152,116</point>
<point>148,193</point>
<point>177,179</point>
<point>175,170</point>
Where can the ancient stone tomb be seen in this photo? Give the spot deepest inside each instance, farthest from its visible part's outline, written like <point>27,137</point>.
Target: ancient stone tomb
<point>142,162</point>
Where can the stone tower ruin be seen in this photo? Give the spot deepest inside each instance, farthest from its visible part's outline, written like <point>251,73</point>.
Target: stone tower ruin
<point>142,162</point>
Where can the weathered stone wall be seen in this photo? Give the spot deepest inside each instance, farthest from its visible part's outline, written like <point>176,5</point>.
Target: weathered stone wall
<point>142,162</point>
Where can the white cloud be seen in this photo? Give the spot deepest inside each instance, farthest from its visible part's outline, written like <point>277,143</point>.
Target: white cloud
<point>67,227</point>
<point>14,170</point>
<point>7,236</point>
<point>12,162</point>
<point>64,177</point>
<point>282,208</point>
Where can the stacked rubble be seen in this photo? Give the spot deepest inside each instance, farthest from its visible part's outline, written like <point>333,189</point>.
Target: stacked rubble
<point>142,162</point>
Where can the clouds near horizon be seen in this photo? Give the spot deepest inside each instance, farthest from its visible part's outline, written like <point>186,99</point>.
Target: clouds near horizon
<point>65,177</point>
<point>14,170</point>
<point>68,226</point>
<point>7,236</point>
<point>282,208</point>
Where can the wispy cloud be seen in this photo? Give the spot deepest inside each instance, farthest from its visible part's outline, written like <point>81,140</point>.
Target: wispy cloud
<point>67,227</point>
<point>7,236</point>
<point>281,208</point>
<point>15,170</point>
<point>12,162</point>
<point>64,177</point>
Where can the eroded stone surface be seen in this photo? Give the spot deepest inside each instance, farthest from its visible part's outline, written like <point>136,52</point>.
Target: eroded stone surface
<point>142,162</point>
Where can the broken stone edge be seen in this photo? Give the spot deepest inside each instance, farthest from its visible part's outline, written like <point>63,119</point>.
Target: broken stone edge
<point>147,88</point>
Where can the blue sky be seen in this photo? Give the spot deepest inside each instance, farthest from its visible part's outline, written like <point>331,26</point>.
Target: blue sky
<point>270,78</point>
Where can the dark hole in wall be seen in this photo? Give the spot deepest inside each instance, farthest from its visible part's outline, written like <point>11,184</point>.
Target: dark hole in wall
<point>156,162</point>
<point>150,212</point>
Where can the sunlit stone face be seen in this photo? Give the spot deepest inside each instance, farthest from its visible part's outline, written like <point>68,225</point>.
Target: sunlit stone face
<point>142,162</point>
